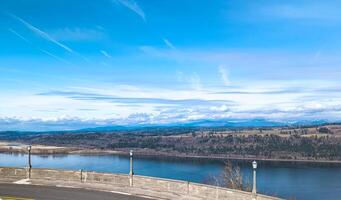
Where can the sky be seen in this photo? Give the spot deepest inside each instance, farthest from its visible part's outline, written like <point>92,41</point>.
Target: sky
<point>69,64</point>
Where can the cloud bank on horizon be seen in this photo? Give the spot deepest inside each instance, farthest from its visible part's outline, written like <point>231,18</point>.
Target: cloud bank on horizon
<point>78,64</point>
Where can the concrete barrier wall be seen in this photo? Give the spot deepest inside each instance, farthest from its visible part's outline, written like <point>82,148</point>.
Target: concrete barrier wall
<point>13,173</point>
<point>194,189</point>
<point>51,174</point>
<point>113,179</point>
<point>214,192</point>
<point>181,188</point>
<point>80,176</point>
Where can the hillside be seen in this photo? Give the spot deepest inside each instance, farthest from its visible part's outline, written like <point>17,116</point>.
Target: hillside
<point>295,143</point>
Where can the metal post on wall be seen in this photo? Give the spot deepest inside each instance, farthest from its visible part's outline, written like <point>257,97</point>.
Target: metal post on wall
<point>131,173</point>
<point>29,167</point>
<point>254,188</point>
<point>81,172</point>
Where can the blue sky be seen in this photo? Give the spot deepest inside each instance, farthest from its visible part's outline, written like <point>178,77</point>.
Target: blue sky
<point>71,64</point>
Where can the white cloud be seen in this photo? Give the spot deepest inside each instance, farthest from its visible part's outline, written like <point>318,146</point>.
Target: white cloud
<point>122,104</point>
<point>222,108</point>
<point>132,5</point>
<point>224,75</point>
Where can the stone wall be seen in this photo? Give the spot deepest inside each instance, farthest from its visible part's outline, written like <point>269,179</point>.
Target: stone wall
<point>158,185</point>
<point>193,189</point>
<point>12,174</point>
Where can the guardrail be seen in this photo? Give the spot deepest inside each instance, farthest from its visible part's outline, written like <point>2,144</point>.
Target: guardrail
<point>159,186</point>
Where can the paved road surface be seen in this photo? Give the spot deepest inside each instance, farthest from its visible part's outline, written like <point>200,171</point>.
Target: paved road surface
<point>58,193</point>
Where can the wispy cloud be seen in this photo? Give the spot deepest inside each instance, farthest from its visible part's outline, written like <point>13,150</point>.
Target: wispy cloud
<point>133,6</point>
<point>41,33</point>
<point>224,75</point>
<point>265,92</point>
<point>169,44</point>
<point>179,76</point>
<point>106,54</point>
<point>308,11</point>
<point>265,63</point>
<point>76,34</point>
<point>195,81</point>
<point>132,100</point>
<point>40,49</point>
<point>19,36</point>
<point>312,11</point>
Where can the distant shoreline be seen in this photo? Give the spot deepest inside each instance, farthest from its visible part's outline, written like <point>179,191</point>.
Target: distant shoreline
<point>220,158</point>
<point>54,150</point>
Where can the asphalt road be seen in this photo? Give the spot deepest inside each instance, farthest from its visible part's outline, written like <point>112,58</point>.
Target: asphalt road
<point>58,193</point>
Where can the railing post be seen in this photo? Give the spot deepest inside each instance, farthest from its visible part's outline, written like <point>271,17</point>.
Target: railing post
<point>187,187</point>
<point>81,175</point>
<point>254,188</point>
<point>131,172</point>
<point>29,167</point>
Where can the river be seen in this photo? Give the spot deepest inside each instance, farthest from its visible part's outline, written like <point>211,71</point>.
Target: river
<point>286,180</point>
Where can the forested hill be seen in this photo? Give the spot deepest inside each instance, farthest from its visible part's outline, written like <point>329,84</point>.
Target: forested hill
<point>303,143</point>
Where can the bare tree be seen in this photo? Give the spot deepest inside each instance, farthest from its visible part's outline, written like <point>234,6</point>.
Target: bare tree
<point>231,177</point>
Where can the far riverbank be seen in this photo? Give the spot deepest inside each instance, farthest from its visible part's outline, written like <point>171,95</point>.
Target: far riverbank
<point>8,147</point>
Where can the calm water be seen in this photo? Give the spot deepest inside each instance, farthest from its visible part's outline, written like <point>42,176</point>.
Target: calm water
<point>283,180</point>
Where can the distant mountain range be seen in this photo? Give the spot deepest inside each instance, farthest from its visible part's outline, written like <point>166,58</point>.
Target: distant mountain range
<point>230,123</point>
<point>208,123</point>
